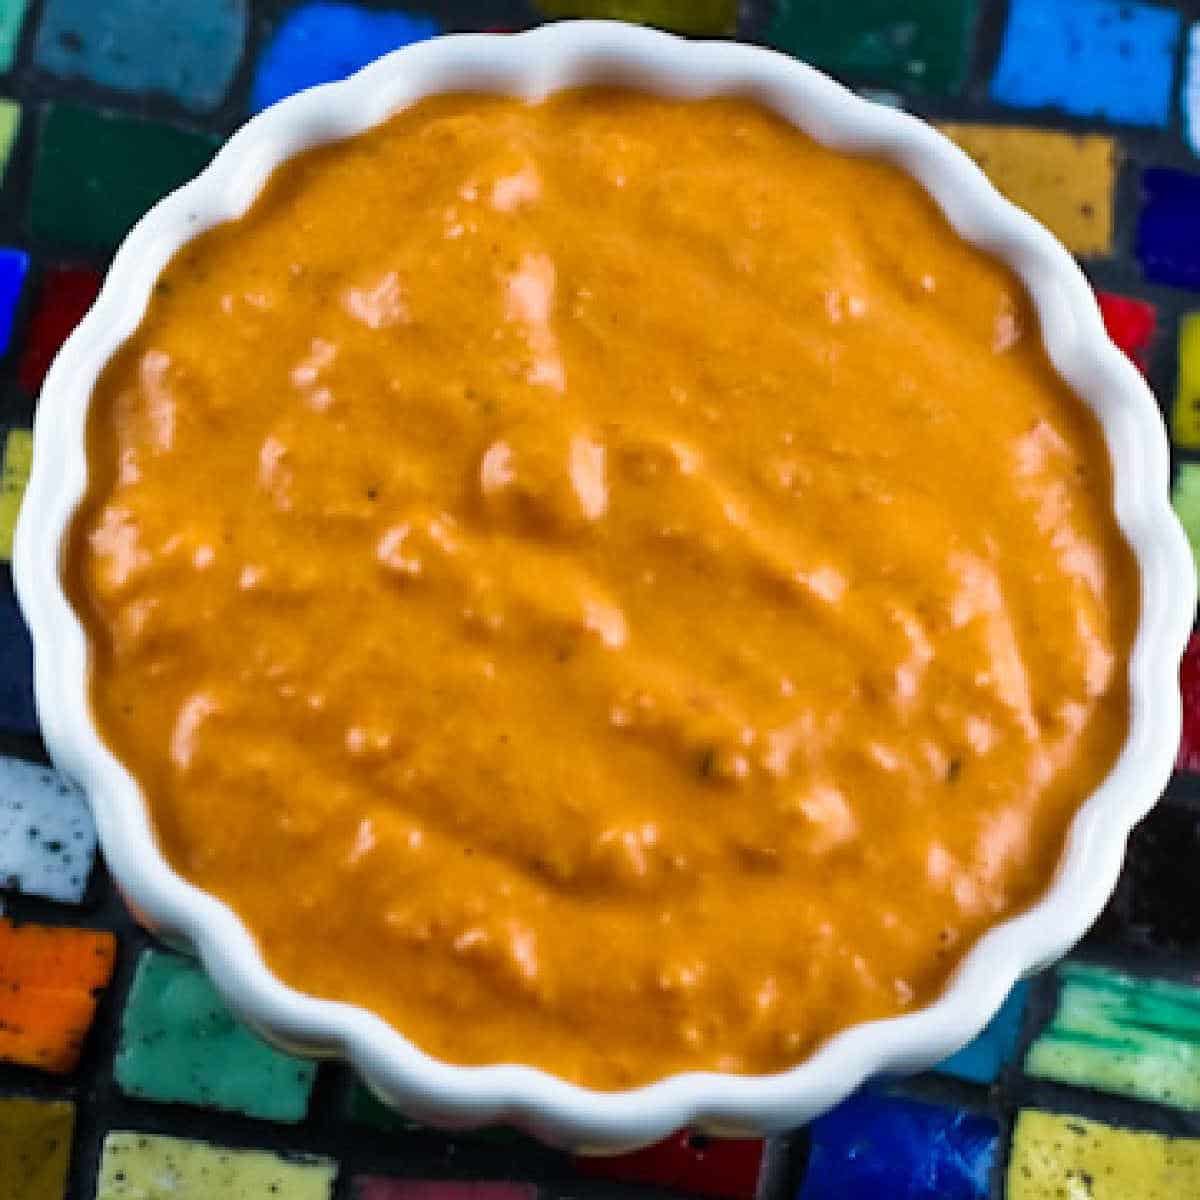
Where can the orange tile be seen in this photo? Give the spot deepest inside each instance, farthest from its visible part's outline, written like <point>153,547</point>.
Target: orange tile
<point>49,979</point>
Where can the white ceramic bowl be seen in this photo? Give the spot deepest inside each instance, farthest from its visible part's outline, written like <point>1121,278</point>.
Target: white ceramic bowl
<point>532,65</point>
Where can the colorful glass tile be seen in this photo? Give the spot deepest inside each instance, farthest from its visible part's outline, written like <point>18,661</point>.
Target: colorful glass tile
<point>35,1148</point>
<point>47,838</point>
<point>320,42</point>
<point>362,1108</point>
<point>372,1187</point>
<point>179,1042</point>
<point>188,49</point>
<point>65,295</point>
<point>14,475</point>
<point>1056,1156</point>
<point>146,1166</point>
<point>1064,180</point>
<point>10,124</point>
<point>1091,58</point>
<point>1123,1034</point>
<point>915,47</point>
<point>17,711</point>
<point>1156,906</point>
<point>49,979</point>
<point>982,1060</point>
<point>1185,414</point>
<point>711,17</point>
<point>1190,99</point>
<point>873,1146</point>
<point>721,1167</point>
<point>1168,234</point>
<point>95,173</point>
<point>13,266</point>
<point>1185,496</point>
<point>1130,323</point>
<point>12,17</point>
<point>1189,685</point>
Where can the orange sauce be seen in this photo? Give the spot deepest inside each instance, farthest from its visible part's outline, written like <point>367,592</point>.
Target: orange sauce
<point>607,584</point>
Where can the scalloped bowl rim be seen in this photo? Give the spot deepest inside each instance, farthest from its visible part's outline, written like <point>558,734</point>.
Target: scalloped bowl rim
<point>534,64</point>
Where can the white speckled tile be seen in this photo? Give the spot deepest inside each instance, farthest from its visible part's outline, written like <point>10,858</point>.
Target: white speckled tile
<point>47,839</point>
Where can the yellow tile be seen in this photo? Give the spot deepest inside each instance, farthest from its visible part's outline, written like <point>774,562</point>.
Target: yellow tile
<point>18,454</point>
<point>1057,1157</point>
<point>1185,420</point>
<point>1064,180</point>
<point>35,1147</point>
<point>148,1166</point>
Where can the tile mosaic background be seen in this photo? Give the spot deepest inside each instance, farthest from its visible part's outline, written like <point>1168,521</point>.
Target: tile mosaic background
<point>123,1075</point>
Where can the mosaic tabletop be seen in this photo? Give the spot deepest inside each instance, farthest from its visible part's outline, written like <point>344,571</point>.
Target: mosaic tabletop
<point>122,1074</point>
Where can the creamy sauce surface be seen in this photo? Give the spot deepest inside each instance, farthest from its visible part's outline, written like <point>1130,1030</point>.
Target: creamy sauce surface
<point>607,584</point>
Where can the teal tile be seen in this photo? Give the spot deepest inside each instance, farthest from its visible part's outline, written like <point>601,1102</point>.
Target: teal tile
<point>96,173</point>
<point>12,17</point>
<point>179,1043</point>
<point>911,45</point>
<point>187,49</point>
<point>1123,1034</point>
<point>982,1060</point>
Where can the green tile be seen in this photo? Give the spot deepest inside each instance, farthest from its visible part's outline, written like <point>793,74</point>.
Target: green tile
<point>146,1166</point>
<point>180,1043</point>
<point>10,122</point>
<point>362,1108</point>
<point>1185,496</point>
<point>711,17</point>
<point>1122,1034</point>
<point>12,16</point>
<point>912,45</point>
<point>95,173</point>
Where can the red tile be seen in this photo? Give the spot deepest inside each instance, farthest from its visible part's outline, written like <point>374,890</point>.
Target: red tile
<point>1189,682</point>
<point>369,1187</point>
<point>722,1167</point>
<point>1130,323</point>
<point>65,295</point>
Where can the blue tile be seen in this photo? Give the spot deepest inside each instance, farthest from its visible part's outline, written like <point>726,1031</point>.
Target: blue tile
<point>320,42</point>
<point>982,1060</point>
<point>875,1146</point>
<point>14,265</point>
<point>188,49</point>
<point>1091,58</point>
<point>17,713</point>
<point>47,839</point>
<point>1168,233</point>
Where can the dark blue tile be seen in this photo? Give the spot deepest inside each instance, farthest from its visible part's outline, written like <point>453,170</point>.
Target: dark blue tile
<point>14,265</point>
<point>1168,235</point>
<point>320,42</point>
<point>873,1146</point>
<point>16,667</point>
